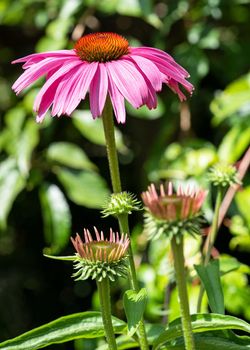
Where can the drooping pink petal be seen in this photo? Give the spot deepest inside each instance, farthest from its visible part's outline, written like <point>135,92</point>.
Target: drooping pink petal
<point>149,69</point>
<point>117,100</point>
<point>46,101</point>
<point>129,81</point>
<point>145,51</point>
<point>64,90</point>
<point>98,90</point>
<point>35,72</point>
<point>175,88</point>
<point>78,93</point>
<point>59,74</point>
<point>172,73</point>
<point>37,57</point>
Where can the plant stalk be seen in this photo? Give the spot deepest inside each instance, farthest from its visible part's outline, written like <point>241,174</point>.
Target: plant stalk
<point>104,295</point>
<point>109,131</point>
<point>179,265</point>
<point>210,241</point>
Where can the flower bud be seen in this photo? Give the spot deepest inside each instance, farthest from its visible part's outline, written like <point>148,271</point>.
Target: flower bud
<point>121,203</point>
<point>100,258</point>
<point>171,213</point>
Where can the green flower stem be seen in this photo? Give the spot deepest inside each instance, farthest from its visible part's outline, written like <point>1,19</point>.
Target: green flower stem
<point>210,241</point>
<point>124,227</point>
<point>109,131</point>
<point>177,249</point>
<point>104,295</point>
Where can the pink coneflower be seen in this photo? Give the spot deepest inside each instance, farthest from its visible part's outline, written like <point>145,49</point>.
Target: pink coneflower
<point>101,64</point>
<point>167,205</point>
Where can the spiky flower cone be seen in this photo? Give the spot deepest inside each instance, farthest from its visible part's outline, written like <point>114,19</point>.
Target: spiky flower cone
<point>100,258</point>
<point>172,214</point>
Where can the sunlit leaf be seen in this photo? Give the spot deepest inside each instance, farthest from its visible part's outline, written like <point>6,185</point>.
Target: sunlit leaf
<point>145,113</point>
<point>11,184</point>
<point>93,130</point>
<point>134,305</point>
<point>125,342</point>
<point>57,218</point>
<point>68,154</point>
<point>234,99</point>
<point>27,141</point>
<point>202,323</point>
<point>210,278</point>
<point>80,325</point>
<point>84,188</point>
<point>210,342</point>
<point>243,202</point>
<point>234,143</point>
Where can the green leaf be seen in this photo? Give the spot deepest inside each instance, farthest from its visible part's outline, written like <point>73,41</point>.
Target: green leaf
<point>126,342</point>
<point>243,202</point>
<point>63,258</point>
<point>234,143</point>
<point>208,343</point>
<point>234,99</point>
<point>134,305</point>
<point>210,278</point>
<point>56,217</point>
<point>71,155</point>
<point>92,129</point>
<point>84,188</point>
<point>123,342</point>
<point>26,143</point>
<point>81,325</point>
<point>228,264</point>
<point>11,184</point>
<point>201,323</point>
<point>144,113</point>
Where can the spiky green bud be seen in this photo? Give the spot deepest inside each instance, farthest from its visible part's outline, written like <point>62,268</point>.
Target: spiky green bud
<point>121,203</point>
<point>223,175</point>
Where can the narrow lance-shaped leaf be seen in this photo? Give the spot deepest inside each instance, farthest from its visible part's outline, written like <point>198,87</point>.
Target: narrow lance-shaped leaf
<point>201,323</point>
<point>57,218</point>
<point>208,343</point>
<point>81,325</point>
<point>210,278</point>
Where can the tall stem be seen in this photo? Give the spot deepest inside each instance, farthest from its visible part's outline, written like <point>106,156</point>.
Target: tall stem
<point>109,131</point>
<point>104,295</point>
<point>177,249</point>
<point>210,241</point>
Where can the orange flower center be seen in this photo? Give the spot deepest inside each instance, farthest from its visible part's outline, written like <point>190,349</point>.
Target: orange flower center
<point>101,47</point>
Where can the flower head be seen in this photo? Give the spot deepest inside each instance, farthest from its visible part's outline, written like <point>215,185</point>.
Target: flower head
<point>101,64</point>
<point>100,258</point>
<point>121,203</point>
<point>223,175</point>
<point>173,213</point>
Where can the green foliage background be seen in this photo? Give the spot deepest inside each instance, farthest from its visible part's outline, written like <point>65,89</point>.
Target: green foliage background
<point>54,176</point>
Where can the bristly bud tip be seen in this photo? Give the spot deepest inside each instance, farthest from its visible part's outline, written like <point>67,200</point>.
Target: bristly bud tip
<point>223,175</point>
<point>121,203</point>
